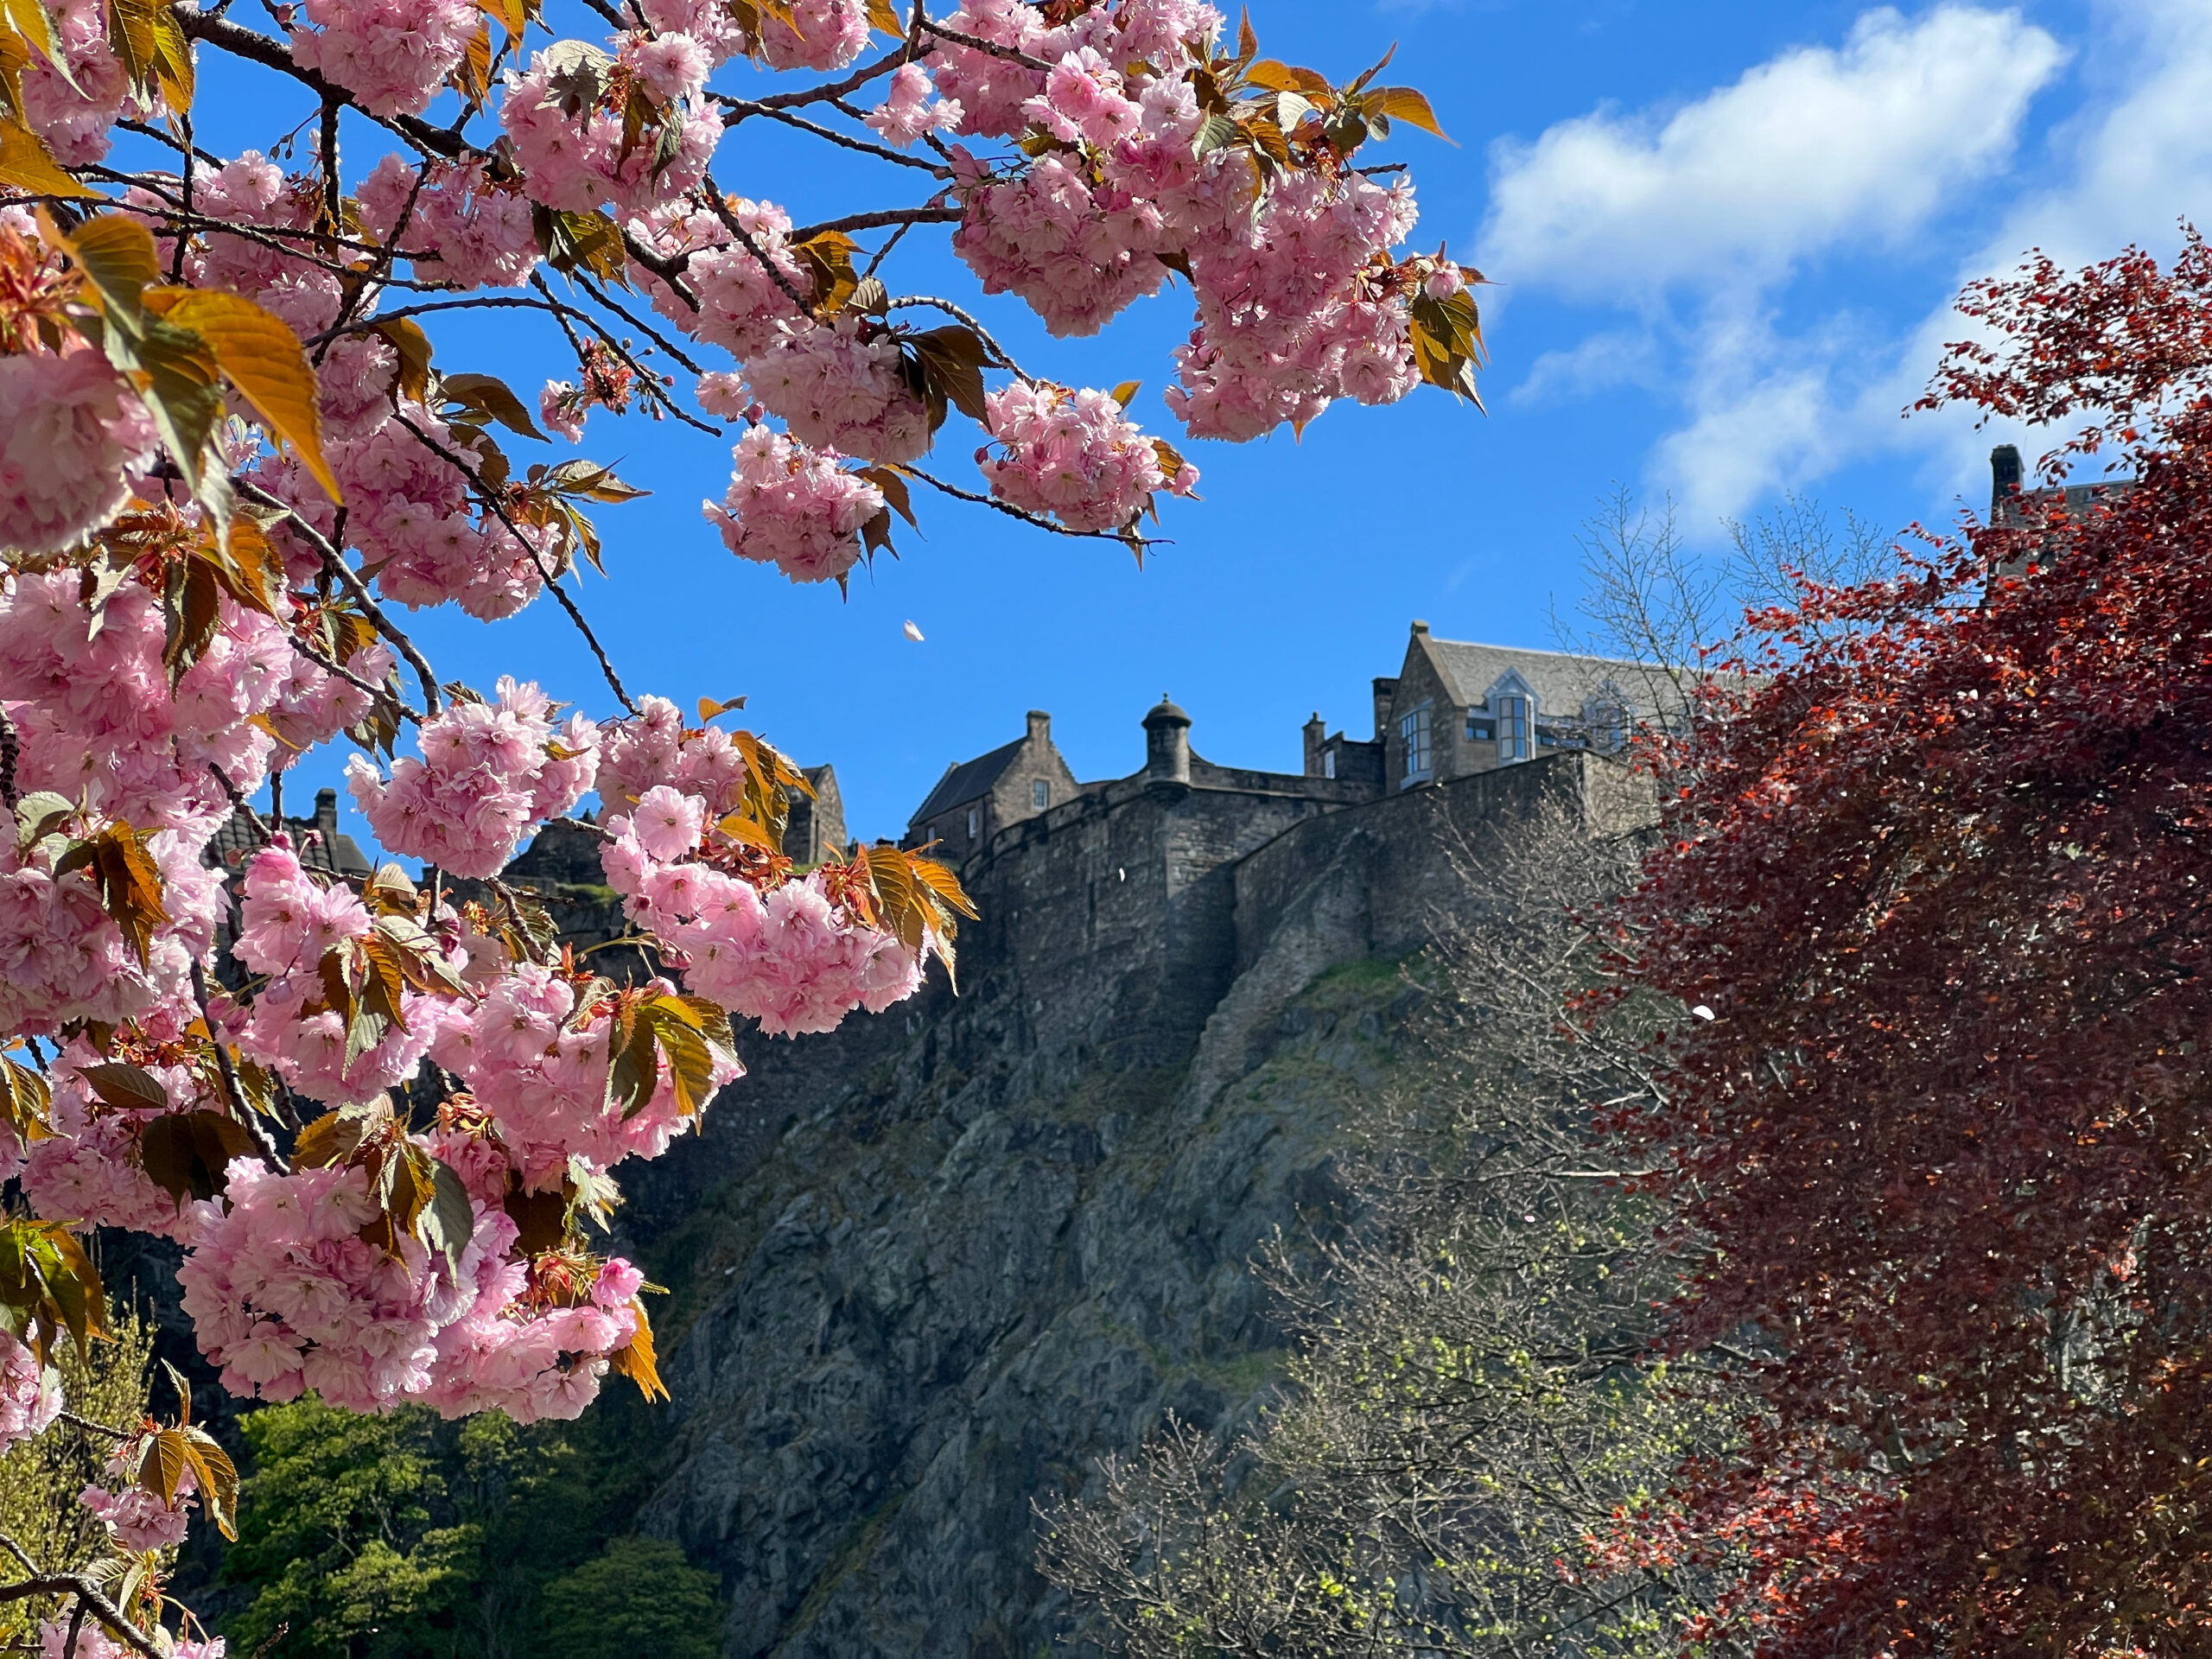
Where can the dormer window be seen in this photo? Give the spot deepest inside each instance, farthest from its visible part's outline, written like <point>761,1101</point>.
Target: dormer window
<point>1040,794</point>
<point>975,823</point>
<point>1516,728</point>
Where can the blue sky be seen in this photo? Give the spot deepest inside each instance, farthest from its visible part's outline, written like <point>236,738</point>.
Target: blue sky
<point>1723,238</point>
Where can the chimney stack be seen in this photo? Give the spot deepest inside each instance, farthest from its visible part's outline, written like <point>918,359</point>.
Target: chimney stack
<point>1040,726</point>
<point>1386,693</point>
<point>2005,475</point>
<point>1317,732</point>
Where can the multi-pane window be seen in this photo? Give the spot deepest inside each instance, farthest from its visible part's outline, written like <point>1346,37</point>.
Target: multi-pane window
<point>1414,730</point>
<point>1040,794</point>
<point>1608,727</point>
<point>1514,729</point>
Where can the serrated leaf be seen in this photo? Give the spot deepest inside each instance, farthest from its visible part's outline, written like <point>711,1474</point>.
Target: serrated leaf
<point>186,1153</point>
<point>219,1479</point>
<point>332,1139</point>
<point>448,1222</point>
<point>493,397</point>
<point>1125,394</point>
<point>126,1088</point>
<point>405,336</point>
<point>636,1359</point>
<point>1404,103</point>
<point>710,708</point>
<point>262,358</point>
<point>513,16</point>
<point>884,18</point>
<point>26,163</point>
<point>162,1464</point>
<point>39,814</point>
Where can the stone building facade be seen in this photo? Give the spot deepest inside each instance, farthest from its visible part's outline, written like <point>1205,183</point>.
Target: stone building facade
<point>976,799</point>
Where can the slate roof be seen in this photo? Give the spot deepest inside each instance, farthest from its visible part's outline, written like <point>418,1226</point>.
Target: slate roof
<point>967,780</point>
<point>333,854</point>
<point>1562,680</point>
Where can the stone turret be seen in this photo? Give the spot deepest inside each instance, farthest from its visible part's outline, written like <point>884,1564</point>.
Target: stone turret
<point>1168,744</point>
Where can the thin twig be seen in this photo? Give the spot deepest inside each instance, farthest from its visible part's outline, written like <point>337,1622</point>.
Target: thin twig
<point>880,216</point>
<point>248,1119</point>
<point>978,43</point>
<point>239,804</point>
<point>742,107</point>
<point>552,582</point>
<point>853,82</point>
<point>92,1428</point>
<point>1127,538</point>
<point>737,228</point>
<point>335,562</point>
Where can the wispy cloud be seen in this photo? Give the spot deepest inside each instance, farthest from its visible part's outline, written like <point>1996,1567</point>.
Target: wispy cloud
<point>1709,223</point>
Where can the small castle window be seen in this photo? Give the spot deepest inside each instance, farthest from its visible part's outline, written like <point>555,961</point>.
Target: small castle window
<point>1480,727</point>
<point>1328,763</point>
<point>1513,729</point>
<point>1414,728</point>
<point>975,822</point>
<point>1608,724</point>
<point>1040,794</point>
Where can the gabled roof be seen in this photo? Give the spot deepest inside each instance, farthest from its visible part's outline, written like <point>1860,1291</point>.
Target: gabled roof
<point>967,781</point>
<point>1562,680</point>
<point>335,853</point>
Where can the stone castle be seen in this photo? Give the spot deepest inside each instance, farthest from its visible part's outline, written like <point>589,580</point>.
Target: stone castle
<point>927,1269</point>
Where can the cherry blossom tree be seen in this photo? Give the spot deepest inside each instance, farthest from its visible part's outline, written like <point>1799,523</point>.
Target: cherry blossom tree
<point>379,1115</point>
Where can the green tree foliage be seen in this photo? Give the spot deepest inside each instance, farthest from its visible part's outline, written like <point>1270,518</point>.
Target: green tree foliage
<point>40,1478</point>
<point>404,1537</point>
<point>1478,1388</point>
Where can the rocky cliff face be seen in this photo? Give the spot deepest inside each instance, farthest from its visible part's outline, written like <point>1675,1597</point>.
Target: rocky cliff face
<point>929,1268</point>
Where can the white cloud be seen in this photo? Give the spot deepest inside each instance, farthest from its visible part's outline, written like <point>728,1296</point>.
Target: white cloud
<point>1815,150</point>
<point>1617,357</point>
<point>1701,224</point>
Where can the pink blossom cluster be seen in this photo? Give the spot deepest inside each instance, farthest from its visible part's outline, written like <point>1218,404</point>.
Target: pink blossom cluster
<point>392,54</point>
<point>1283,326</point>
<point>75,434</point>
<point>1075,455</point>
<point>994,90</point>
<point>792,961</point>
<point>840,386</point>
<point>655,748</point>
<point>1079,252</point>
<point>88,1168</point>
<point>134,1517</point>
<point>488,770</point>
<point>911,108</point>
<point>288,923</point>
<point>93,1642</point>
<point>286,1296</point>
<point>463,228</point>
<point>410,514</point>
<point>822,34</point>
<point>31,1395</point>
<point>253,191</point>
<point>72,119</point>
<point>538,1067</point>
<point>794,508</point>
<point>576,165</point>
<point>739,303</point>
<point>314,705</point>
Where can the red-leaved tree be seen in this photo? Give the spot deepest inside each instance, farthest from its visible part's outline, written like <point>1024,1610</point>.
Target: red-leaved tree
<point>1939,876</point>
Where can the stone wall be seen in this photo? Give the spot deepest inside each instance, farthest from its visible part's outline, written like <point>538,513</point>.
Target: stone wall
<point>928,1269</point>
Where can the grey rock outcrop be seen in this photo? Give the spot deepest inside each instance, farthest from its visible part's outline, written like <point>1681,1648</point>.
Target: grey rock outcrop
<point>930,1268</point>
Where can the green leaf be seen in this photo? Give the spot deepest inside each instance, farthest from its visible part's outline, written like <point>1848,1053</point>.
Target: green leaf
<point>448,1222</point>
